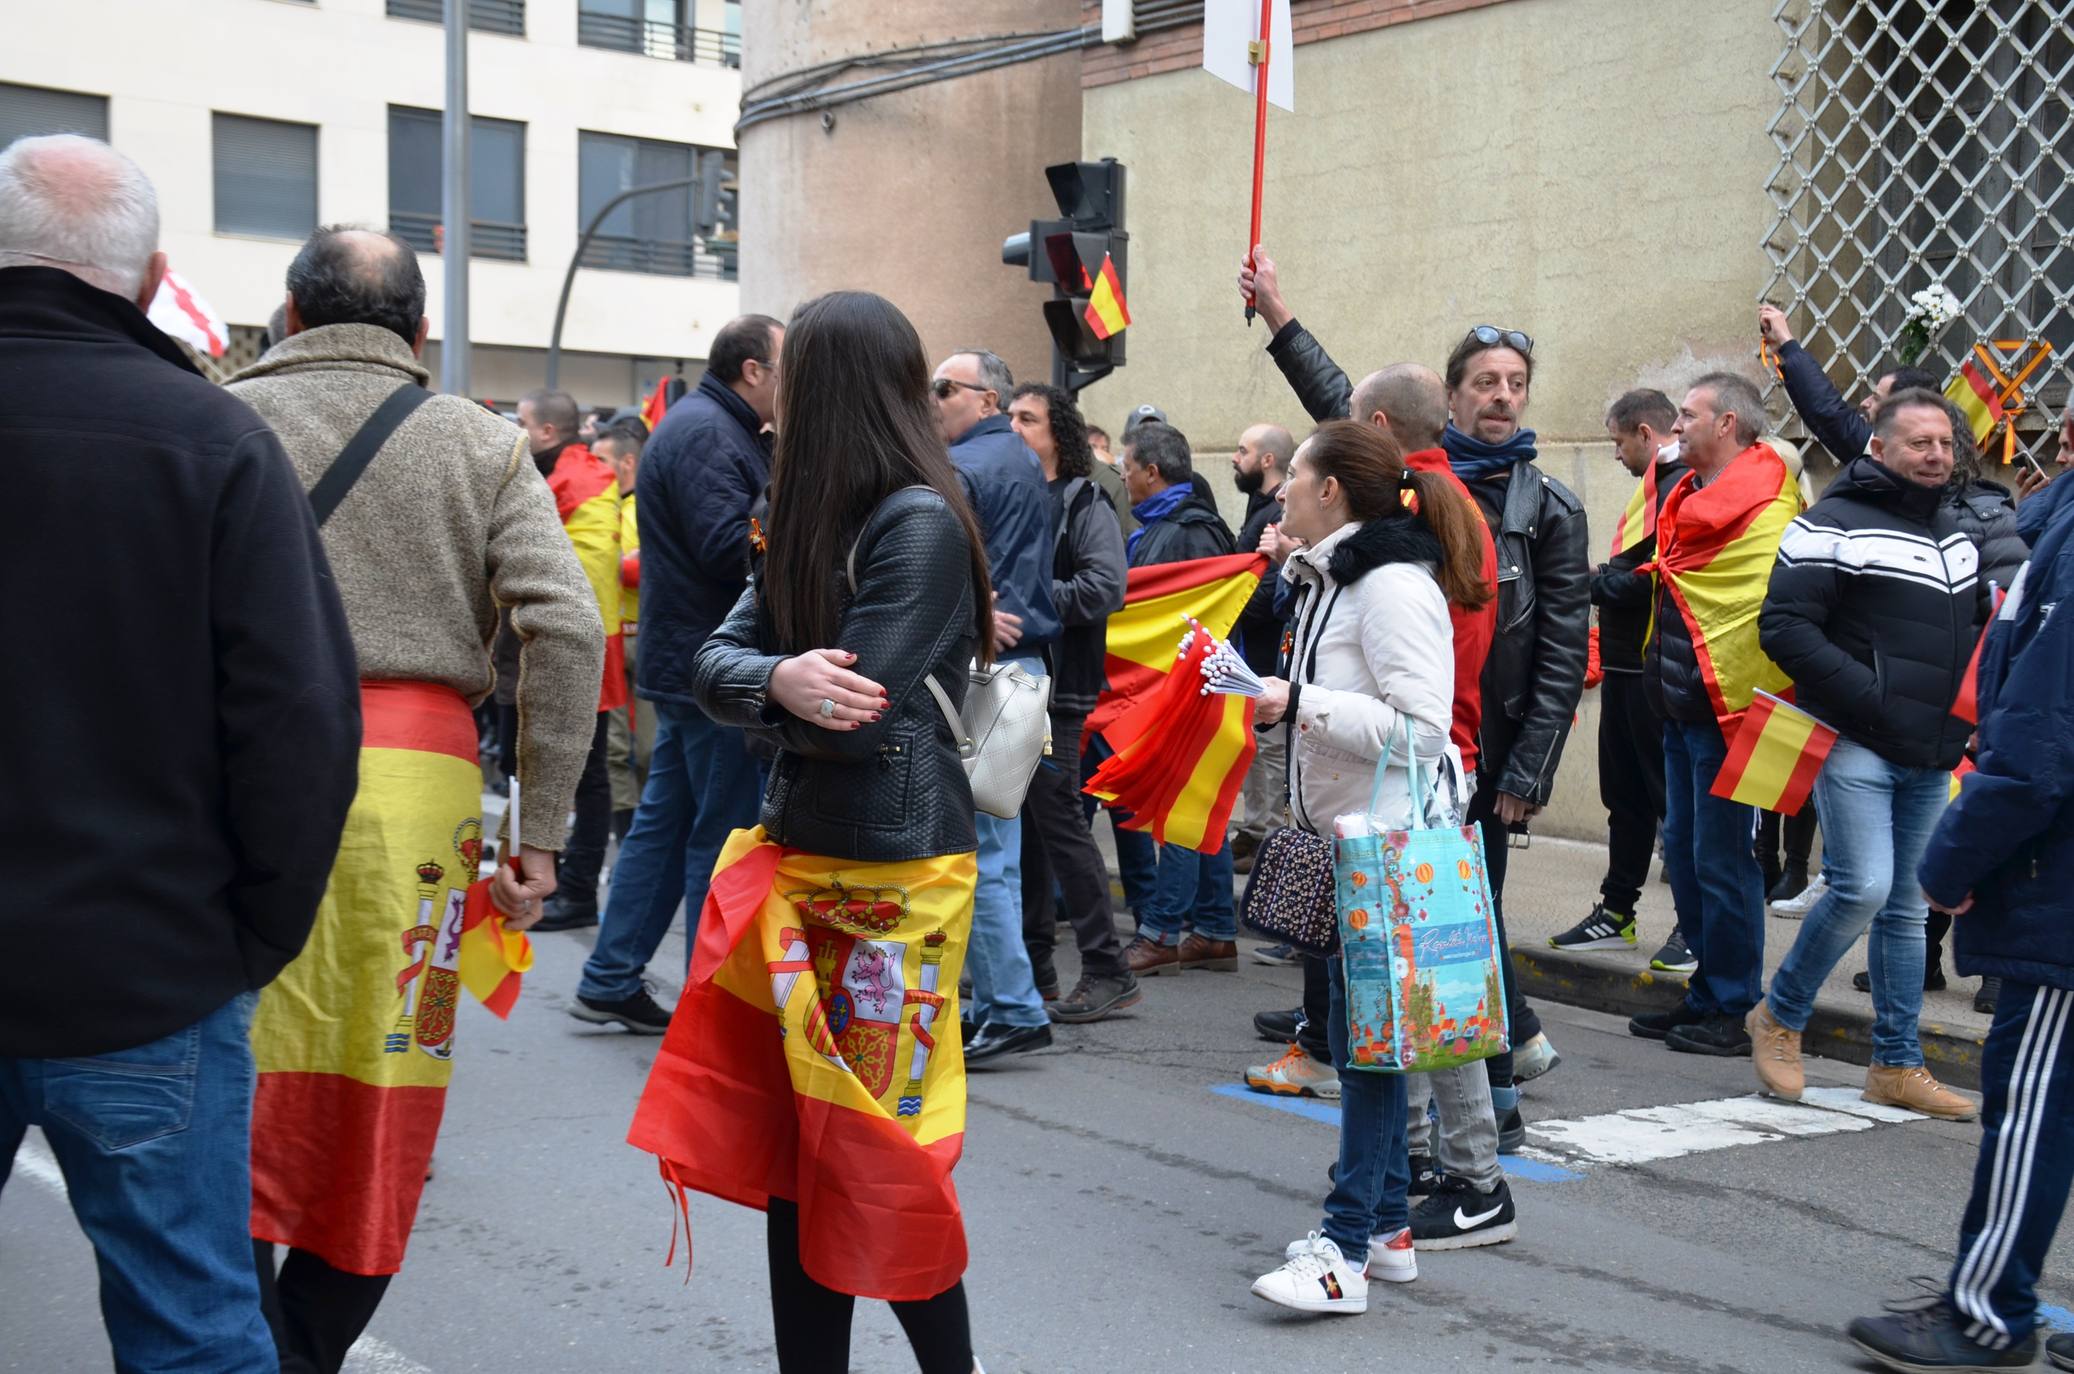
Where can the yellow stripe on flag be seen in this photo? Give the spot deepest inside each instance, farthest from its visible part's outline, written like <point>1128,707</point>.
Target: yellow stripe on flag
<point>1774,757</point>
<point>1107,315</point>
<point>1187,823</point>
<point>1149,632</point>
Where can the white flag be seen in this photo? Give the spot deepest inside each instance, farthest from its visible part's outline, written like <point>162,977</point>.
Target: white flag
<point>181,312</point>
<point>1228,27</point>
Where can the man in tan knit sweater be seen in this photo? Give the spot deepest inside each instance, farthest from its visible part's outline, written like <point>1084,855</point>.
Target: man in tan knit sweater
<point>449,521</point>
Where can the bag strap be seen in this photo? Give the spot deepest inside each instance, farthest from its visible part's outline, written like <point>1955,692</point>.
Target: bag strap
<point>1421,798</point>
<point>360,450</point>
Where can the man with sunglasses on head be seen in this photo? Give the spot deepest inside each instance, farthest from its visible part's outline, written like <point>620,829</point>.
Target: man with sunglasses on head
<point>1005,481</point>
<point>1534,676</point>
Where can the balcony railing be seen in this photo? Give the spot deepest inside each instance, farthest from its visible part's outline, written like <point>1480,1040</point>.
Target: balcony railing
<point>672,42</point>
<point>622,253</point>
<point>487,16</point>
<point>504,242</point>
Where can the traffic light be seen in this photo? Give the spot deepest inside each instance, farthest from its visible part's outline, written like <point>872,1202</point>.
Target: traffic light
<point>1085,255</point>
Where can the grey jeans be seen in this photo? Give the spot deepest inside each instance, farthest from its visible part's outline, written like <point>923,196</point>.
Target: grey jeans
<point>1468,1128</point>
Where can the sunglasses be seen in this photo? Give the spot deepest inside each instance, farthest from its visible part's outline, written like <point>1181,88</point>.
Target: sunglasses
<point>1490,336</point>
<point>946,387</point>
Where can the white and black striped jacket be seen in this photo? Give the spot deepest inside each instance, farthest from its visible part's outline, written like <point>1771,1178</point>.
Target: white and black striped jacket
<point>1875,604</point>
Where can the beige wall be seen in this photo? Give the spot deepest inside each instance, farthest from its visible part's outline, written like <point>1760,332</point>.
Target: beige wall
<point>908,194</point>
<point>1590,171</point>
<point>339,65</point>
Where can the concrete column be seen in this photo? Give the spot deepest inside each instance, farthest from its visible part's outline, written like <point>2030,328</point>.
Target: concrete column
<point>908,194</point>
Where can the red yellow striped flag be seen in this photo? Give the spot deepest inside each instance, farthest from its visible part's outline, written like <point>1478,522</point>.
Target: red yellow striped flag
<point>1976,395</point>
<point>1180,777</point>
<point>586,492</point>
<point>1107,315</point>
<point>1774,757</point>
<point>1638,521</point>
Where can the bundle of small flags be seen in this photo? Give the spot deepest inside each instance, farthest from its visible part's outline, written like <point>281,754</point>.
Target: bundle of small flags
<point>1224,672</point>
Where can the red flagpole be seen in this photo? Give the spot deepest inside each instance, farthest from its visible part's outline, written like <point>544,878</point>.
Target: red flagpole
<point>1259,138</point>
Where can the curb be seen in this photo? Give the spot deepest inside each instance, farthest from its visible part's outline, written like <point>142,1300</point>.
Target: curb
<point>1580,980</point>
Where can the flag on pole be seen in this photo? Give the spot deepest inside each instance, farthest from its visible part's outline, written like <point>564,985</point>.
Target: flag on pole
<point>1978,398</point>
<point>1775,756</point>
<point>179,310</point>
<point>1107,315</point>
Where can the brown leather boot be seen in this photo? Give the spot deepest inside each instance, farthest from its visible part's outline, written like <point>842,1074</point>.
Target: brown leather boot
<point>1776,1053</point>
<point>1148,958</point>
<point>1219,956</point>
<point>1913,1089</point>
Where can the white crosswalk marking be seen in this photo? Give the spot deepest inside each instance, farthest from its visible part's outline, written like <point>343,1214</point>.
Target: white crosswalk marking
<point>1641,1135</point>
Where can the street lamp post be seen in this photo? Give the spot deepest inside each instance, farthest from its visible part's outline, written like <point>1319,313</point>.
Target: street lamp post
<point>554,342</point>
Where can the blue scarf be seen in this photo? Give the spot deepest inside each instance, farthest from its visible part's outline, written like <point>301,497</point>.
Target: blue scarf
<point>1473,459</point>
<point>1154,508</point>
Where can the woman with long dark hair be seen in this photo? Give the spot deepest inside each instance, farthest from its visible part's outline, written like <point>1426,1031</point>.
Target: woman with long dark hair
<point>1385,549</point>
<point>847,911</point>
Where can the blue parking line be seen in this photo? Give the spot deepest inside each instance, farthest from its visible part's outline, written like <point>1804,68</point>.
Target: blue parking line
<point>1527,1170</point>
<point>2059,1318</point>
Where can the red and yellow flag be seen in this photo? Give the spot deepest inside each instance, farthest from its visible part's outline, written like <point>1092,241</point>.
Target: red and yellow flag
<point>586,494</point>
<point>1774,758</point>
<point>657,404</point>
<point>1715,548</point>
<point>1107,314</point>
<point>1959,777</point>
<point>815,1057</point>
<point>1180,775</point>
<point>1638,521</point>
<point>1966,706</point>
<point>1977,397</point>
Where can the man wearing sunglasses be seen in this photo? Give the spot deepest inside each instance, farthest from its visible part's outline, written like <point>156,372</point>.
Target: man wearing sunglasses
<point>1005,482</point>
<point>1534,675</point>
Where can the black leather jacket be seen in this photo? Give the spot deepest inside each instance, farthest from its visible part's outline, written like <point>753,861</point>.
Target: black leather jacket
<point>894,789</point>
<point>1535,674</point>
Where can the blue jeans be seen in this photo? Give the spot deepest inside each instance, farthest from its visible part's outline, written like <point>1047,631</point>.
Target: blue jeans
<point>1193,893</point>
<point>1716,885</point>
<point>2025,1165</point>
<point>1137,853</point>
<point>1004,989</point>
<point>1876,822</point>
<point>156,1147</point>
<point>1374,1173</point>
<point>703,784</point>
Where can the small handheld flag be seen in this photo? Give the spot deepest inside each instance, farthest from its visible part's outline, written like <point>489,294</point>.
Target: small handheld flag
<point>1775,757</point>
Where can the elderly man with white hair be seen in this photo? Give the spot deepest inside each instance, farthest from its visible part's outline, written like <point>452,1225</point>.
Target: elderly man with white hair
<point>179,724</point>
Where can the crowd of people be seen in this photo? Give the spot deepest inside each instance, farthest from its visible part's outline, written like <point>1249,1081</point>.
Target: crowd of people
<point>738,646</point>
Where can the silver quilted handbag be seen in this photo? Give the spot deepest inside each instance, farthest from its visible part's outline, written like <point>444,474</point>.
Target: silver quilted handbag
<point>1003,733</point>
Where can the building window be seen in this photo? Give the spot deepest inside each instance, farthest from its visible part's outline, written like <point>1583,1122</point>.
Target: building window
<point>266,177</point>
<point>31,111</point>
<point>660,28</point>
<point>486,16</point>
<point>649,233</point>
<point>496,183</point>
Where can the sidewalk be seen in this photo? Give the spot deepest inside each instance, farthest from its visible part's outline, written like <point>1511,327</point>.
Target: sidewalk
<point>1550,885</point>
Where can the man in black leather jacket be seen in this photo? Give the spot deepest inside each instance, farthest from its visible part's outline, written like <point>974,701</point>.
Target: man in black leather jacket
<point>1534,676</point>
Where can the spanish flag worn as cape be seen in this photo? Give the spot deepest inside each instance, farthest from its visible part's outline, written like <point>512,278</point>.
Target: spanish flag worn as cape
<point>1716,545</point>
<point>586,494</point>
<point>1638,521</point>
<point>1207,762</point>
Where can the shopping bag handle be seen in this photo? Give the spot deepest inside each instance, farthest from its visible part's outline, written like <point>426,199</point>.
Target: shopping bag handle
<point>1422,797</point>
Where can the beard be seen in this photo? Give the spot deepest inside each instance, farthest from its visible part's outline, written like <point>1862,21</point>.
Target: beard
<point>1249,483</point>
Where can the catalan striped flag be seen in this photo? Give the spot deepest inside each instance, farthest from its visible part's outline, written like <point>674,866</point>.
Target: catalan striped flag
<point>586,493</point>
<point>1107,314</point>
<point>1974,392</point>
<point>1774,758</point>
<point>1716,545</point>
<point>815,1057</point>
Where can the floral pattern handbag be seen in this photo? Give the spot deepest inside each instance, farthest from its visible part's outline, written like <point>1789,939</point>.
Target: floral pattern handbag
<point>1289,893</point>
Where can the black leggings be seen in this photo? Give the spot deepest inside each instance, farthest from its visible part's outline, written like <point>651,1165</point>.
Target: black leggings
<point>813,1323</point>
<point>316,1312</point>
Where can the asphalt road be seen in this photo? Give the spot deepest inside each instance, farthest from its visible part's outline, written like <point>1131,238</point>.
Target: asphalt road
<point>1119,1205</point>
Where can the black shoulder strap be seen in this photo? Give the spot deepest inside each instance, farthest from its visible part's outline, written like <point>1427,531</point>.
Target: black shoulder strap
<point>345,470</point>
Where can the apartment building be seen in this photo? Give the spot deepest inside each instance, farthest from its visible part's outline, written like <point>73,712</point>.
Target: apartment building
<point>261,119</point>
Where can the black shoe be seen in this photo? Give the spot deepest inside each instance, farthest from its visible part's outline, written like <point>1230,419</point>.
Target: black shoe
<point>970,1030</point>
<point>1094,998</point>
<point>1929,1338</point>
<point>1933,979</point>
<point>1723,1036</point>
<point>1674,957</point>
<point>1790,884</point>
<point>641,1014</point>
<point>2059,1351</point>
<point>1602,929</point>
<point>1456,1216</point>
<point>1985,997</point>
<point>1655,1025</point>
<point>568,913</point>
<point>1278,1026</point>
<point>1425,1177</point>
<point>1512,1133</point>
<point>1277,956</point>
<point>995,1041</point>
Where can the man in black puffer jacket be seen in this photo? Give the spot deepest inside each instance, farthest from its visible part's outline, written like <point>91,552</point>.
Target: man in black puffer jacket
<point>1874,608</point>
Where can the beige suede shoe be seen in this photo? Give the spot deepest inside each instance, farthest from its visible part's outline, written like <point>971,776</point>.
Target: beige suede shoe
<point>1775,1051</point>
<point>1915,1090</point>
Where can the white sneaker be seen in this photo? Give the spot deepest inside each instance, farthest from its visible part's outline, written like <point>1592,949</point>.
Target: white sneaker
<point>1316,1278</point>
<point>1390,1258</point>
<point>1801,903</point>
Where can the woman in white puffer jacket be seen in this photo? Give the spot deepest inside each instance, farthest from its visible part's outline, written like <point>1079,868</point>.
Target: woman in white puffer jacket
<point>1385,549</point>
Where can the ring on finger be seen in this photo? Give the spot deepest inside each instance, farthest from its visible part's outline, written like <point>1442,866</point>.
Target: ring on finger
<point>827,708</point>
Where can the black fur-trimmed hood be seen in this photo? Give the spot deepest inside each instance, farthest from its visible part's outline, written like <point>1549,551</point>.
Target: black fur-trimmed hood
<point>1391,539</point>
